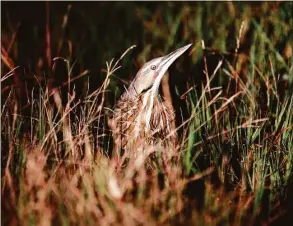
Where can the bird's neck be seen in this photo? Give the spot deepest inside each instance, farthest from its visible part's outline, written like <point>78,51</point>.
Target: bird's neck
<point>133,92</point>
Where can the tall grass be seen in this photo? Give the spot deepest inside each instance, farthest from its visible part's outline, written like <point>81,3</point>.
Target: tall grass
<point>235,155</point>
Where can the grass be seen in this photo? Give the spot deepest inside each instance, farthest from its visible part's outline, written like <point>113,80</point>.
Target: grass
<point>234,116</point>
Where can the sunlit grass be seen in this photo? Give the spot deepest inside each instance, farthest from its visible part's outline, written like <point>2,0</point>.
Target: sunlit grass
<point>234,162</point>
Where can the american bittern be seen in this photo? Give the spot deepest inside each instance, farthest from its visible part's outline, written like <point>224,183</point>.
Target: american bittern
<point>140,118</point>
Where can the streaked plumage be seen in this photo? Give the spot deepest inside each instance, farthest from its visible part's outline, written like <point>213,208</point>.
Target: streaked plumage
<point>134,129</point>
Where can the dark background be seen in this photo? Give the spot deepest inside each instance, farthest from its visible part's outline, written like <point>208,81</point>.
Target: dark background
<point>96,32</point>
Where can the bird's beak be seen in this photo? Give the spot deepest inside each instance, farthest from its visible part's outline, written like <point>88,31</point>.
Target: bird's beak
<point>166,63</point>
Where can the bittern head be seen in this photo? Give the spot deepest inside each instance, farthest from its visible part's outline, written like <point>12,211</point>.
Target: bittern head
<point>152,72</point>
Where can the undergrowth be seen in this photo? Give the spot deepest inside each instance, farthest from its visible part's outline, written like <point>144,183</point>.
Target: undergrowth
<point>234,121</point>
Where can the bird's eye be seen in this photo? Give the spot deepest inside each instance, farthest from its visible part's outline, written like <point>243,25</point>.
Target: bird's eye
<point>153,67</point>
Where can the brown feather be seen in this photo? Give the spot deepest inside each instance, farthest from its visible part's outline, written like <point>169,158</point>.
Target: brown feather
<point>130,127</point>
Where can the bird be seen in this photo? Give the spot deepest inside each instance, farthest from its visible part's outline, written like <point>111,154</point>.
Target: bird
<point>140,118</point>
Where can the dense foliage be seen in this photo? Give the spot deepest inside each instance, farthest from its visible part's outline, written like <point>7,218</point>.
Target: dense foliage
<point>232,94</point>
